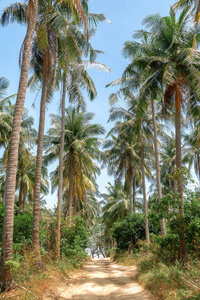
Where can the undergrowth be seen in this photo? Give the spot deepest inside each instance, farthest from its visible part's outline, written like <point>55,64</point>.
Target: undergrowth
<point>165,280</point>
<point>32,280</point>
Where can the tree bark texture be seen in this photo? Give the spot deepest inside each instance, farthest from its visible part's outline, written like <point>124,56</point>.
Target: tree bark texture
<point>163,229</point>
<point>38,171</point>
<point>7,241</point>
<point>134,194</point>
<point>144,196</point>
<point>130,180</point>
<point>71,180</point>
<point>5,185</point>
<point>60,171</point>
<point>182,255</point>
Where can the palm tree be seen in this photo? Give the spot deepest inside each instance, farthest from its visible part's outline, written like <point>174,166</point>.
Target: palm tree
<point>7,243</point>
<point>6,115</point>
<point>121,160</point>
<point>70,67</point>
<point>136,125</point>
<point>131,81</point>
<point>144,132</point>
<point>172,65</point>
<point>45,46</point>
<point>115,205</point>
<point>6,119</point>
<point>158,178</point>
<point>191,146</point>
<point>194,4</point>
<point>48,38</point>
<point>81,147</point>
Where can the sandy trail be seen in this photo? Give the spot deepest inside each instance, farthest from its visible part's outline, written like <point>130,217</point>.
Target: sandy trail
<point>103,279</point>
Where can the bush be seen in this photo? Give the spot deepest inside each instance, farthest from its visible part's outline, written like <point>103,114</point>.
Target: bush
<point>167,246</point>
<point>74,238</point>
<point>23,228</point>
<point>131,229</point>
<point>22,232</point>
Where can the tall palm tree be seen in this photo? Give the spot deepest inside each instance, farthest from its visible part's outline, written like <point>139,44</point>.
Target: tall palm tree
<point>56,23</point>
<point>7,243</point>
<point>131,80</point>
<point>121,160</point>
<point>75,78</point>
<point>137,124</point>
<point>81,147</point>
<point>46,47</point>
<point>172,65</point>
<point>143,131</point>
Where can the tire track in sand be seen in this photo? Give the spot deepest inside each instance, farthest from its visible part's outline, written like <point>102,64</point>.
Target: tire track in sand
<point>104,280</point>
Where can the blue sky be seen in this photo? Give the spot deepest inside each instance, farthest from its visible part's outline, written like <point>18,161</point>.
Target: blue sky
<point>125,16</point>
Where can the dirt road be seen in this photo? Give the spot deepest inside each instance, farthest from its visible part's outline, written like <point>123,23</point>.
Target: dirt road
<point>103,279</point>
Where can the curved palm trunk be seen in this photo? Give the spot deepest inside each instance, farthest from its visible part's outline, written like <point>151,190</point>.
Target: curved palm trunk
<point>7,241</point>
<point>71,179</point>
<point>163,229</point>
<point>60,171</point>
<point>144,196</point>
<point>38,171</point>
<point>182,255</point>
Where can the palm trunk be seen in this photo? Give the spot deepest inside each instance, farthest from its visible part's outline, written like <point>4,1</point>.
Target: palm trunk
<point>134,194</point>
<point>66,203</point>
<point>130,178</point>
<point>6,276</point>
<point>163,229</point>
<point>144,196</point>
<point>74,204</point>
<point>38,171</point>
<point>60,184</point>
<point>20,195</point>
<point>24,201</point>
<point>182,255</point>
<point>71,179</point>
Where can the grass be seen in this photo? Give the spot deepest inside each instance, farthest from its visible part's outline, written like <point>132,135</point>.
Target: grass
<point>166,281</point>
<point>33,282</point>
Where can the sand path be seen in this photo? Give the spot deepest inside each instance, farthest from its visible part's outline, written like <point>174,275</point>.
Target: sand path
<point>102,279</point>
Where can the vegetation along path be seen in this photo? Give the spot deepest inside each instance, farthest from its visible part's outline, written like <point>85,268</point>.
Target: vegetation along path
<point>102,279</point>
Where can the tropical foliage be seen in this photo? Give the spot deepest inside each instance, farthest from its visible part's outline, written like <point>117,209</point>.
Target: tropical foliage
<point>152,150</point>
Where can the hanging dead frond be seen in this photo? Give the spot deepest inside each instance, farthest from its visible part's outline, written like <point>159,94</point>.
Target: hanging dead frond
<point>76,6</point>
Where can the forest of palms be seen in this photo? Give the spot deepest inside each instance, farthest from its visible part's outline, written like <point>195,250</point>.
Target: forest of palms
<point>152,207</point>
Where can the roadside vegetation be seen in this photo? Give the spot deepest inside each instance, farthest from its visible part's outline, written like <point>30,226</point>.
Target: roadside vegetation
<point>150,214</point>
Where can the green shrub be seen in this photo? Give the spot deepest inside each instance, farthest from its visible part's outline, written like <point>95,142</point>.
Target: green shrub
<point>131,229</point>
<point>74,238</point>
<point>23,228</point>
